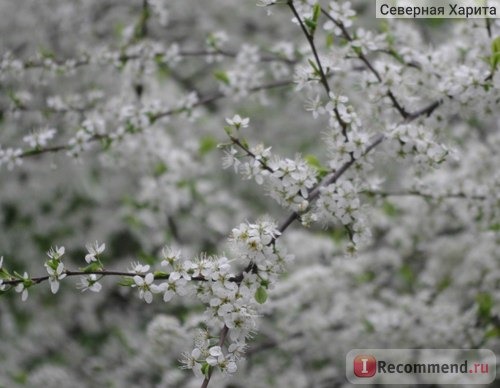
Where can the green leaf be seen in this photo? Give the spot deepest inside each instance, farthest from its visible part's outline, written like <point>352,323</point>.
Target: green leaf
<point>365,277</point>
<point>244,142</point>
<point>330,40</point>
<point>369,327</point>
<point>261,295</point>
<point>205,369</point>
<point>311,24</point>
<point>396,55</point>
<point>316,12</point>
<point>444,283</point>
<point>408,275</point>
<point>313,161</point>
<point>160,275</point>
<point>127,282</point>
<point>390,209</point>
<point>495,53</point>
<point>495,227</point>
<point>485,304</point>
<point>207,144</point>
<point>93,267</point>
<point>313,65</point>
<point>159,169</point>
<point>221,76</point>
<point>106,143</point>
<point>493,333</point>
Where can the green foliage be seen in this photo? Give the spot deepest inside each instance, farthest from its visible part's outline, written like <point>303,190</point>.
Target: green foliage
<point>159,169</point>
<point>495,54</point>
<point>408,275</point>
<point>484,305</point>
<point>205,369</point>
<point>207,144</point>
<point>315,163</point>
<point>261,295</point>
<point>390,209</point>
<point>221,76</point>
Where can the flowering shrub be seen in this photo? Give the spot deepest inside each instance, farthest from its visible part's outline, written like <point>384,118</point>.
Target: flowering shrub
<point>368,214</point>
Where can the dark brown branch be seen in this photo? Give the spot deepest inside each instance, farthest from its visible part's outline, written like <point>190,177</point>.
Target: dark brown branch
<point>40,279</point>
<point>264,165</point>
<point>203,101</point>
<point>222,339</point>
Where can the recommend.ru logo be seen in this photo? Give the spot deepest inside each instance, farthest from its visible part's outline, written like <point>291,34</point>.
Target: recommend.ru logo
<point>421,366</point>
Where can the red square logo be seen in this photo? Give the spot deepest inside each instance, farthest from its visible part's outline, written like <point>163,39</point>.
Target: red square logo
<point>365,366</point>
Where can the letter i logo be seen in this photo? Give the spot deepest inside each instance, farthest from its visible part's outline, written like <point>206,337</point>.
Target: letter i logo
<point>365,366</point>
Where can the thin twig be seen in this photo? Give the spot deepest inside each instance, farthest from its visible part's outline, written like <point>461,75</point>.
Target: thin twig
<point>222,339</point>
<point>40,279</point>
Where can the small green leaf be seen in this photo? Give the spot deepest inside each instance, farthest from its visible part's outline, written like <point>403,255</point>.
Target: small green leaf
<point>316,12</point>
<point>311,24</point>
<point>365,277</point>
<point>369,327</point>
<point>221,76</point>
<point>357,50</point>
<point>495,227</point>
<point>160,168</point>
<point>205,369</point>
<point>93,267</point>
<point>207,144</point>
<point>261,295</point>
<point>390,209</point>
<point>244,142</point>
<point>127,282</point>
<point>313,161</point>
<point>397,56</point>
<point>106,143</point>
<point>493,333</point>
<point>160,275</point>
<point>313,65</point>
<point>408,275</point>
<point>495,53</point>
<point>329,41</point>
<point>485,304</point>
<point>444,283</point>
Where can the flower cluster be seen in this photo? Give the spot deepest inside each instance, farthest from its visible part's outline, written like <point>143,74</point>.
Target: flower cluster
<point>233,303</point>
<point>417,142</point>
<point>342,13</point>
<point>291,182</point>
<point>55,267</point>
<point>246,74</point>
<point>253,241</point>
<point>339,202</point>
<point>40,138</point>
<point>11,157</point>
<point>365,41</point>
<point>206,355</point>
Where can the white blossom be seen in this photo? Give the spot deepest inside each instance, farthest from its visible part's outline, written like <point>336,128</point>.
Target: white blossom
<point>90,283</point>
<point>145,286</point>
<point>40,138</point>
<point>238,122</point>
<point>94,250</point>
<point>55,275</point>
<point>22,288</point>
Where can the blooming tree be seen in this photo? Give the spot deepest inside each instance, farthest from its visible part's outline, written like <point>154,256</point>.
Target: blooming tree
<point>247,192</point>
